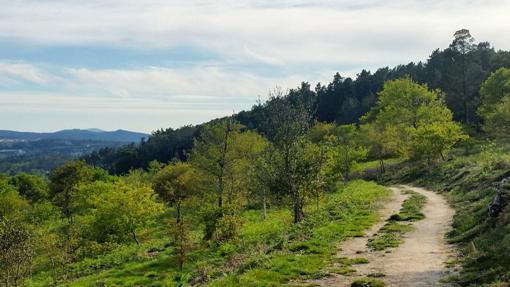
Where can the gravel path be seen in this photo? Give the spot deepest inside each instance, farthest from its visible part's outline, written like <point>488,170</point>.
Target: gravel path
<point>419,261</point>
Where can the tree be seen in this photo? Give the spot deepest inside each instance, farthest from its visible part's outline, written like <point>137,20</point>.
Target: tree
<point>16,252</point>
<point>64,181</point>
<point>497,123</point>
<point>251,147</point>
<point>413,116</point>
<point>430,140</point>
<point>119,210</point>
<point>382,141</point>
<point>176,183</point>
<point>286,124</point>
<point>310,173</point>
<point>345,151</point>
<point>463,44</point>
<point>495,103</point>
<point>31,187</point>
<point>262,175</point>
<point>12,205</point>
<point>214,154</point>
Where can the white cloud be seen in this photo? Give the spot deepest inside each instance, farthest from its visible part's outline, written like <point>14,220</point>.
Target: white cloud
<point>207,84</point>
<point>275,32</point>
<point>15,72</point>
<point>256,44</point>
<point>157,97</point>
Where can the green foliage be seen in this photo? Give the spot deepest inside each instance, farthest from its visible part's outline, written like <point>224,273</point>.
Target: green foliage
<point>435,139</point>
<point>411,120</point>
<point>31,187</point>
<point>266,252</point>
<point>495,103</point>
<point>215,154</point>
<point>119,210</point>
<point>227,228</point>
<point>16,252</point>
<point>12,205</point>
<point>493,90</point>
<point>345,151</point>
<point>64,181</point>
<point>175,183</point>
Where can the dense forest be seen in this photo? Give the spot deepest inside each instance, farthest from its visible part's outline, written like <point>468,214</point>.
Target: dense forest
<point>458,71</point>
<point>262,198</point>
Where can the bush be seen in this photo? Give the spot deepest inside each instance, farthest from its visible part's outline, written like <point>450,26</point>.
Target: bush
<point>227,228</point>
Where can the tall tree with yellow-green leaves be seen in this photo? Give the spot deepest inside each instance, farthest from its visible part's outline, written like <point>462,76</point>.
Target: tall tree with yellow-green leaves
<point>214,155</point>
<point>412,121</point>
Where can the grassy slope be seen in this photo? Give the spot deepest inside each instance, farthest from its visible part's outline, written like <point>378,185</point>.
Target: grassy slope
<point>469,182</point>
<point>266,253</point>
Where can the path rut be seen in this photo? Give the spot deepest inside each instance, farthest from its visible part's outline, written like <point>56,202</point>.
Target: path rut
<point>419,261</point>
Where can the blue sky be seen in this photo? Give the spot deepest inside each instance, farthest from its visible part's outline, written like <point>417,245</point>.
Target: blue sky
<point>145,65</point>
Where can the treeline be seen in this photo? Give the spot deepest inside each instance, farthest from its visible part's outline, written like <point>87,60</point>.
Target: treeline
<point>458,71</point>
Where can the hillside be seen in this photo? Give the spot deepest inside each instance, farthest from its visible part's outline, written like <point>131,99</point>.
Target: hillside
<point>344,100</point>
<point>75,134</point>
<point>41,152</point>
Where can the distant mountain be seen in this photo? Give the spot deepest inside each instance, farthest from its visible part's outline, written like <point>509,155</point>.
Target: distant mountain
<point>76,134</point>
<point>96,130</point>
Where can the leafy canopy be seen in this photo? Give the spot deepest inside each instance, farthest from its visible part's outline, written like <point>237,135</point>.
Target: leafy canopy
<point>413,121</point>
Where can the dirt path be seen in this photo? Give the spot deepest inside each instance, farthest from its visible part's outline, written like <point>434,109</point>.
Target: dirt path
<point>419,261</point>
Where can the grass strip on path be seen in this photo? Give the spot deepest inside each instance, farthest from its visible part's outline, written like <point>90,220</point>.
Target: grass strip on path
<point>391,235</point>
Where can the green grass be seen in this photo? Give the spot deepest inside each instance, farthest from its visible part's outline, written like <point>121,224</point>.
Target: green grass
<point>367,282</point>
<point>268,252</point>
<point>375,164</point>
<point>391,235</point>
<point>311,244</point>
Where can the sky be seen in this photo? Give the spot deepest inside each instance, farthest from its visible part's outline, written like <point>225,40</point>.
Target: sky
<point>145,65</point>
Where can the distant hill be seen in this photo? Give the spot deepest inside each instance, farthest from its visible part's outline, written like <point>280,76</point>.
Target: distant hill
<point>76,134</point>
<point>41,152</point>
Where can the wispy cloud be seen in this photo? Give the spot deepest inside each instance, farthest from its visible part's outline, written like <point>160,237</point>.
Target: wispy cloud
<point>144,98</point>
<point>15,72</point>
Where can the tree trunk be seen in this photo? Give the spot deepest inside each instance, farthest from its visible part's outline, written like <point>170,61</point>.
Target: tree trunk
<point>383,168</point>
<point>464,89</point>
<point>134,237</point>
<point>264,205</point>
<point>466,112</point>
<point>178,216</point>
<point>220,192</point>
<point>298,207</point>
